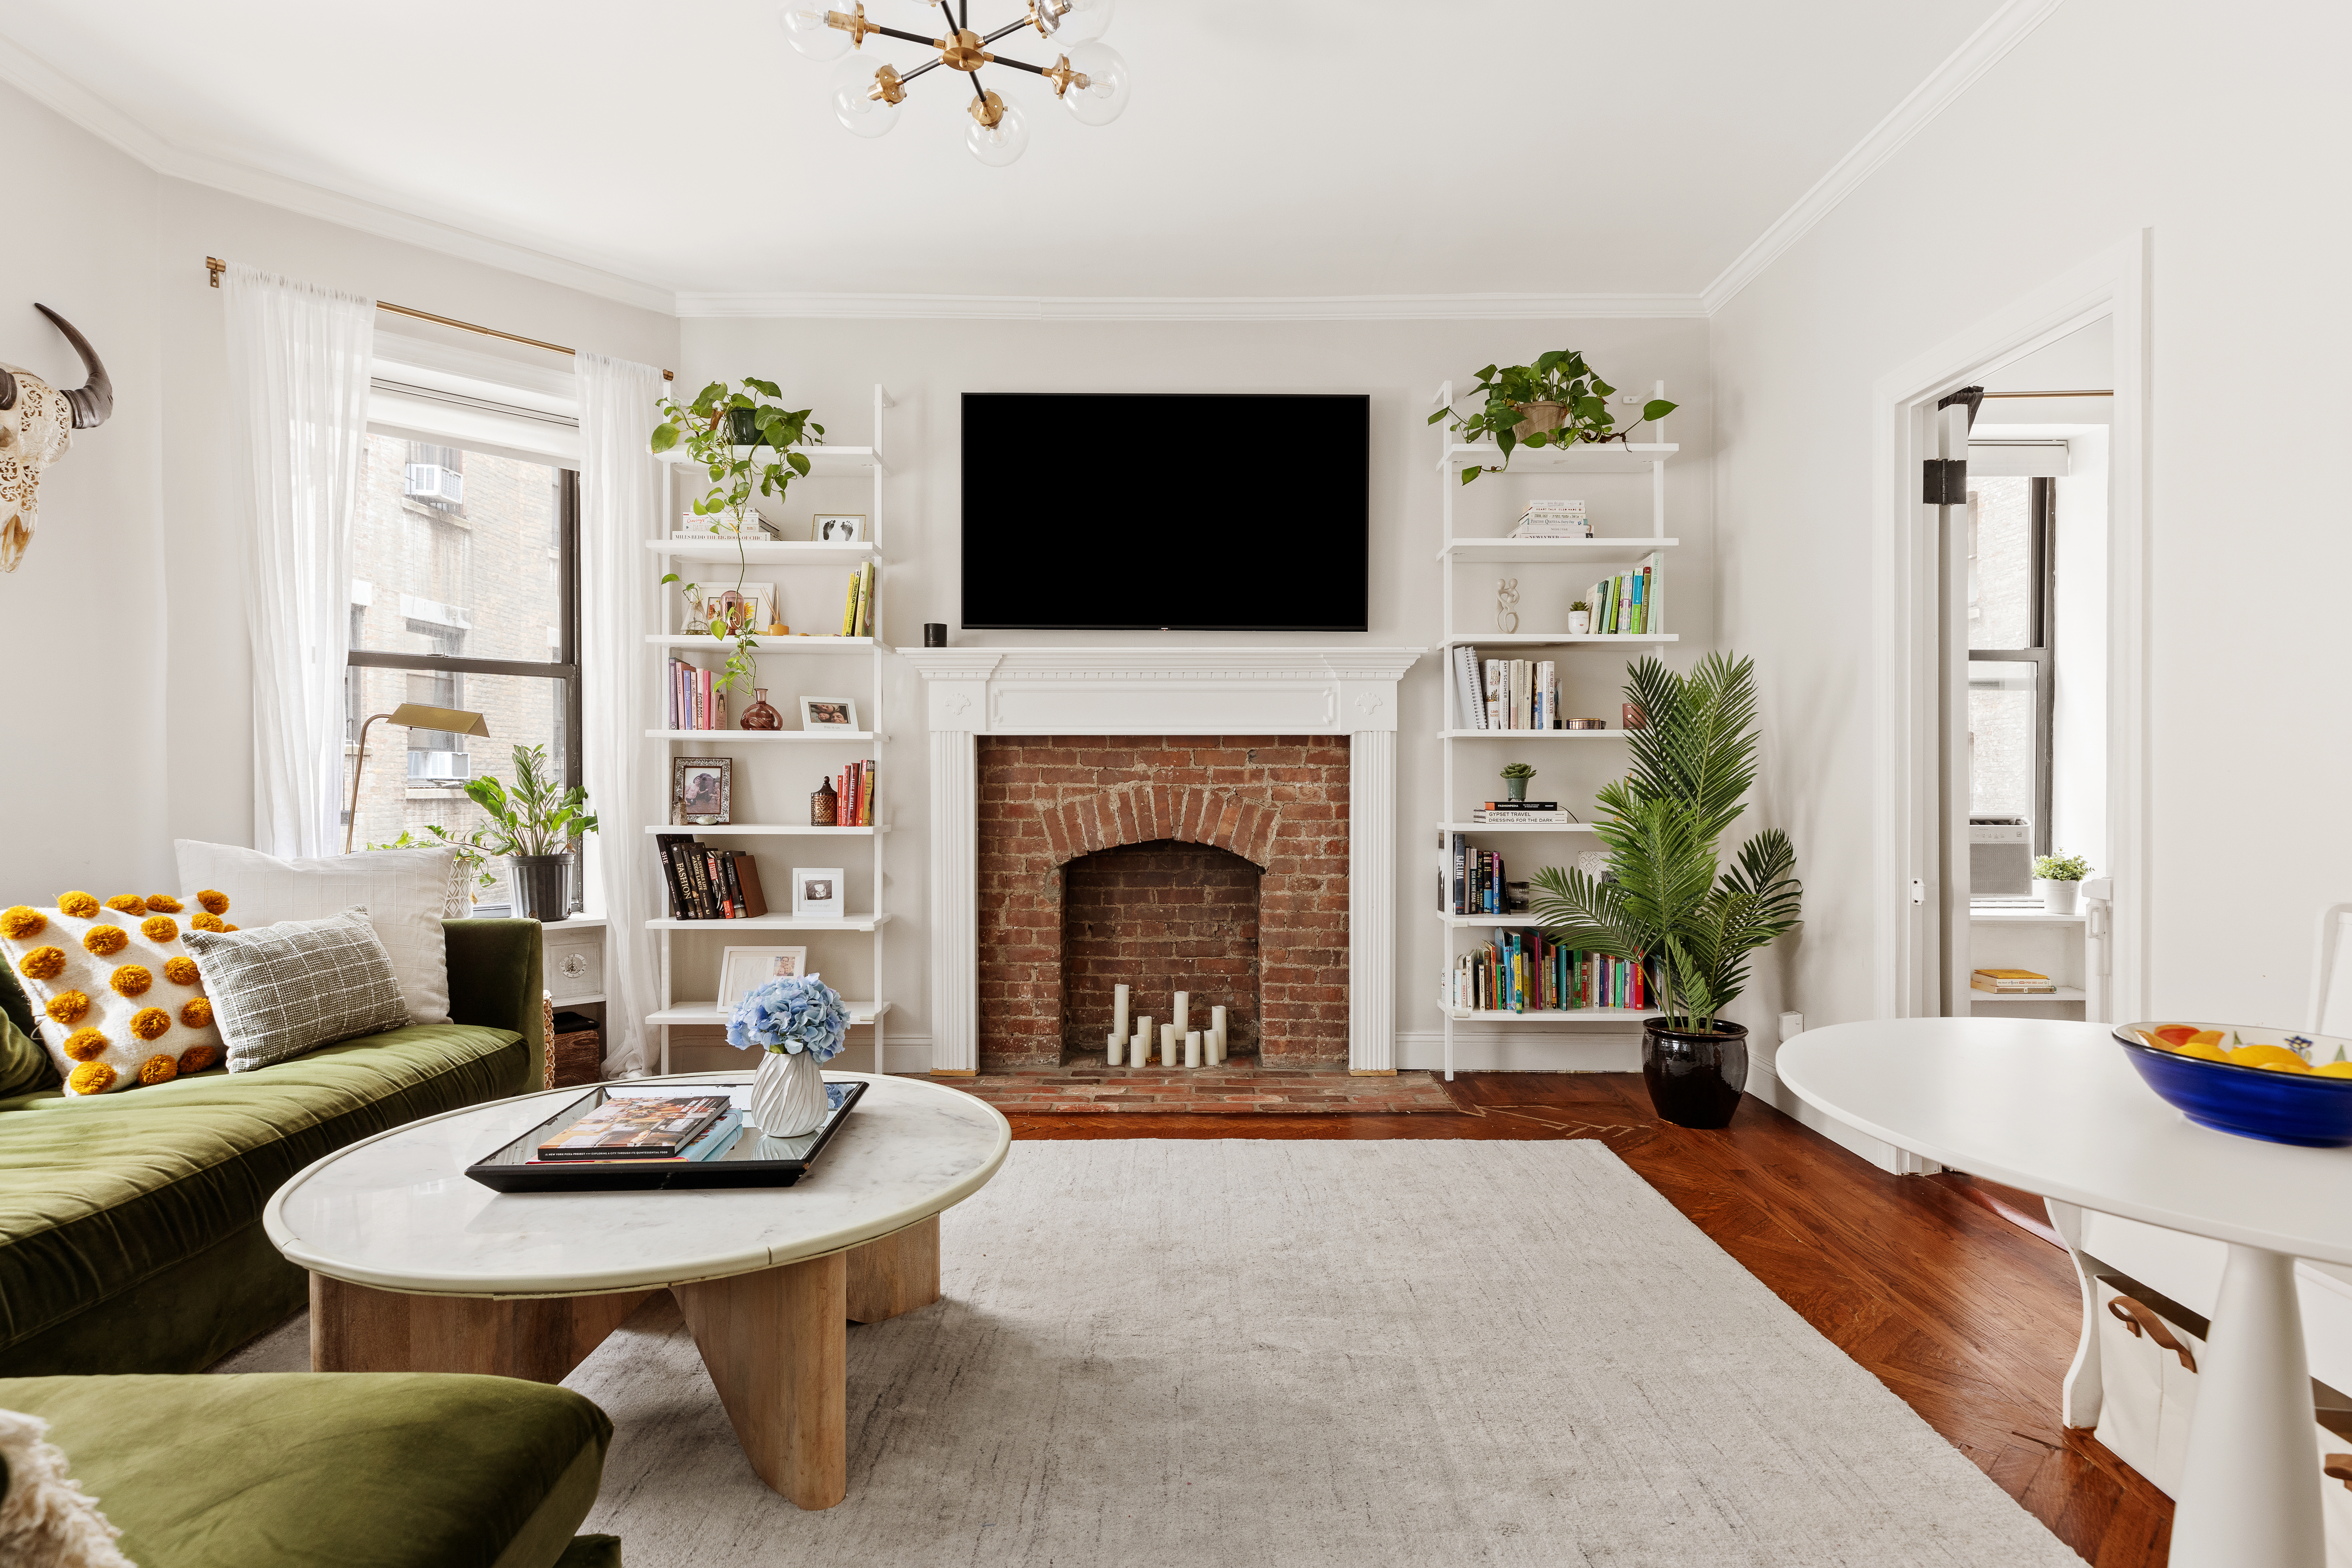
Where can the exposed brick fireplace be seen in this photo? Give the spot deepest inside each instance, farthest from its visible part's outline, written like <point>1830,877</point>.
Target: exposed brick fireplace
<point>1219,863</point>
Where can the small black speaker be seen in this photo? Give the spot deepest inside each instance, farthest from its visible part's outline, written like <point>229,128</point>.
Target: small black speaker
<point>935,634</point>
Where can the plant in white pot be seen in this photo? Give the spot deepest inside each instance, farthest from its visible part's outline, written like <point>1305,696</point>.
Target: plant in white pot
<point>797,1021</point>
<point>2058,881</point>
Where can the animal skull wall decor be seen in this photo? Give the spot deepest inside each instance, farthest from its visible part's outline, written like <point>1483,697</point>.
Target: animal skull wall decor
<point>37,424</point>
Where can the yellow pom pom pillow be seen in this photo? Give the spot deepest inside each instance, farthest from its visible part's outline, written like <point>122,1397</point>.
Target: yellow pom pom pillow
<point>118,998</point>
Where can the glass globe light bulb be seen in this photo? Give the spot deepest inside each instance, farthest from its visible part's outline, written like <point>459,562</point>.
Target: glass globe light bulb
<point>1001,144</point>
<point>854,103</point>
<point>1081,21</point>
<point>804,24</point>
<point>1104,97</point>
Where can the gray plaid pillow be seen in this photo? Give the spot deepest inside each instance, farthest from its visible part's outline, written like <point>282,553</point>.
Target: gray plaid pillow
<point>280,990</point>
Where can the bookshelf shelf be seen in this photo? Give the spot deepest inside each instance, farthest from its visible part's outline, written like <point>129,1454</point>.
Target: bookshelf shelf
<point>765,737</point>
<point>1994,999</point>
<point>765,552</point>
<point>1471,540</point>
<point>740,829</point>
<point>1559,551</point>
<point>806,573</point>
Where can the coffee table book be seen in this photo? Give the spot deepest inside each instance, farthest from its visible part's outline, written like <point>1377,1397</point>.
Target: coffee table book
<point>755,1161</point>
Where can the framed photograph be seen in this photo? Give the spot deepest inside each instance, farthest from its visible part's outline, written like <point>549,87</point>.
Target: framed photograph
<point>838,527</point>
<point>828,713</point>
<point>741,968</point>
<point>819,891</point>
<point>702,789</point>
<point>751,608</point>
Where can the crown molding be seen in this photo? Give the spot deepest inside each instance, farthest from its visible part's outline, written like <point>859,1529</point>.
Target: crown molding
<point>1171,308</point>
<point>365,214</point>
<point>2003,31</point>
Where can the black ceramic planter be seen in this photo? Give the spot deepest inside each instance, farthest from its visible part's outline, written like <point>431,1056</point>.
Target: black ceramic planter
<point>1694,1078</point>
<point>538,891</point>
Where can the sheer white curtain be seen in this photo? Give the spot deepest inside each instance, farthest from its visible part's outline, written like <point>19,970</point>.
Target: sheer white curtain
<point>622,496</point>
<point>298,373</point>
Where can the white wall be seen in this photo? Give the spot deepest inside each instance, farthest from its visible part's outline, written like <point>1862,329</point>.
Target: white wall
<point>832,367</point>
<point>2072,144</point>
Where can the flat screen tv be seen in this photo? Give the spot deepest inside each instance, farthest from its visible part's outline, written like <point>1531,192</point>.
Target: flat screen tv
<point>1166,511</point>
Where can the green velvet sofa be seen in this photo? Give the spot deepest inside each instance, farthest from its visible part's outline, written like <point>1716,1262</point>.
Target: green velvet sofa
<point>130,1235</point>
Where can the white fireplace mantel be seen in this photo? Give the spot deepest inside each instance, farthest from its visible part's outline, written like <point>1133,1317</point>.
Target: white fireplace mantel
<point>974,691</point>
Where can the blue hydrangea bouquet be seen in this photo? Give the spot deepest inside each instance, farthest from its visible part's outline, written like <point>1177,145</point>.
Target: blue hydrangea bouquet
<point>793,1015</point>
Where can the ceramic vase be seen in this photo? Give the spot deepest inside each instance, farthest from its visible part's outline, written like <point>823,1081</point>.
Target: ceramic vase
<point>1515,788</point>
<point>2059,898</point>
<point>1694,1077</point>
<point>1579,623</point>
<point>788,1095</point>
<point>759,716</point>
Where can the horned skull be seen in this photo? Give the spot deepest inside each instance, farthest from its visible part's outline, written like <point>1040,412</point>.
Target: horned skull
<point>37,424</point>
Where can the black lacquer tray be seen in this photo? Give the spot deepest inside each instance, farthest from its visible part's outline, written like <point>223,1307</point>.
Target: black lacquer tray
<point>755,1161</point>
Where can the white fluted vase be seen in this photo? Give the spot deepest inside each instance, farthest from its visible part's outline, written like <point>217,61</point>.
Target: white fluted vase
<point>787,1095</point>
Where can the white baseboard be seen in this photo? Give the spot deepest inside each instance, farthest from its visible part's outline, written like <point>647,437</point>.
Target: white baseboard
<point>1523,1049</point>
<point>1765,1085</point>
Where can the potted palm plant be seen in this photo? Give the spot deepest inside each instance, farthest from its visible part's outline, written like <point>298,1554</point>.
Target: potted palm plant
<point>1668,903</point>
<point>534,825</point>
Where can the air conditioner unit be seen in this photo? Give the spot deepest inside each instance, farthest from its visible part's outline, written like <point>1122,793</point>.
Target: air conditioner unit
<point>2000,856</point>
<point>439,767</point>
<point>431,481</point>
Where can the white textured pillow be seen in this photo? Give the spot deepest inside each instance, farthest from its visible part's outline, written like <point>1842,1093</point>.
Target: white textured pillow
<point>46,1520</point>
<point>404,891</point>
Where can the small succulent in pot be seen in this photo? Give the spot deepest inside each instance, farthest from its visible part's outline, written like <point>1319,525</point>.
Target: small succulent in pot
<point>1515,779</point>
<point>1579,619</point>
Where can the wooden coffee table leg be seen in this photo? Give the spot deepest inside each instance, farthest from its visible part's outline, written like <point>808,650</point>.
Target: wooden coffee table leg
<point>357,1327</point>
<point>895,1274</point>
<point>773,1343</point>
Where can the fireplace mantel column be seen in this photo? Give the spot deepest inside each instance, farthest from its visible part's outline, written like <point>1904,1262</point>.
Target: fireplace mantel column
<point>957,699</point>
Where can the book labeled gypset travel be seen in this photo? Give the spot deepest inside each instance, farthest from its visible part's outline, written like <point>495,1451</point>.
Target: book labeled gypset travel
<point>724,1153</point>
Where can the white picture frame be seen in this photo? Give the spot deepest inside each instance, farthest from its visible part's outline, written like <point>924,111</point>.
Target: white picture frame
<point>819,892</point>
<point>829,713</point>
<point>741,968</point>
<point>838,527</point>
<point>760,596</point>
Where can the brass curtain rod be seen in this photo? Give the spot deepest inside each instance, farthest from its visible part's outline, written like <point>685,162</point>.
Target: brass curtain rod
<point>2103,392</point>
<point>214,266</point>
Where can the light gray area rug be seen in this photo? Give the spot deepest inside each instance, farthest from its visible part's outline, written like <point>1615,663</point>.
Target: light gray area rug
<point>1362,1354</point>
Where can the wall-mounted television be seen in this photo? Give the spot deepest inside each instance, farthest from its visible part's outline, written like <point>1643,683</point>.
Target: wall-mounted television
<point>1166,511</point>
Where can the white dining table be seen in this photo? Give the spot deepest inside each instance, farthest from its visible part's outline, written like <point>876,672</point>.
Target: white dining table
<point>2056,1108</point>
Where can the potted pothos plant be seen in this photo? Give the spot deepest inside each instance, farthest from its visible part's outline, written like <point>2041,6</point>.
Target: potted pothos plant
<point>1558,400</point>
<point>1668,902</point>
<point>747,445</point>
<point>534,825</point>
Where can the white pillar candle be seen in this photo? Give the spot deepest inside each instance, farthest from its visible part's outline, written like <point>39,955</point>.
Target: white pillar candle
<point>1193,1048</point>
<point>1119,1012</point>
<point>1217,1033</point>
<point>1168,1044</point>
<point>1115,1042</point>
<point>1183,1013</point>
<point>1141,1055</point>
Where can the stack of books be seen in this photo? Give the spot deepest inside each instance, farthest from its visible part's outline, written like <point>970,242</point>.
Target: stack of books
<point>1542,812</point>
<point>1507,693</point>
<point>853,795</point>
<point>1527,972</point>
<point>1553,519</point>
<point>648,1127</point>
<point>1471,878</point>
<point>1625,605</point>
<point>857,609</point>
<point>706,883</point>
<point>2013,983</point>
<point>754,530</point>
<point>695,700</point>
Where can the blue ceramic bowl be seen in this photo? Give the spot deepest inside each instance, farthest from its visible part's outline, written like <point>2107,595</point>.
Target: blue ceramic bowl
<point>2276,1107</point>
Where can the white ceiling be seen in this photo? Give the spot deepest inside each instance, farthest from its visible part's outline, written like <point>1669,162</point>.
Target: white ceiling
<point>1273,147</point>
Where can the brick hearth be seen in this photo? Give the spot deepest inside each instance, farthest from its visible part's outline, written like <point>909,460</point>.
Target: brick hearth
<point>1279,802</point>
<point>1323,1089</point>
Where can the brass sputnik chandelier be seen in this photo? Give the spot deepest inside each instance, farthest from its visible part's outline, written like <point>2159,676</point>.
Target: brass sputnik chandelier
<point>1089,77</point>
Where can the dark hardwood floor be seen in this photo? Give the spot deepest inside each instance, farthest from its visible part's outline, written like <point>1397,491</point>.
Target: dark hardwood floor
<point>1968,1317</point>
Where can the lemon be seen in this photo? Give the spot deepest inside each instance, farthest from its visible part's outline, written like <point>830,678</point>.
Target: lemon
<point>2333,1070</point>
<point>2268,1056</point>
<point>2204,1052</point>
<point>2292,1064</point>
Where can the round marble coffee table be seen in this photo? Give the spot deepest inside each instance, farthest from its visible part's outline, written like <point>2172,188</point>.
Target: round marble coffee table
<point>415,1267</point>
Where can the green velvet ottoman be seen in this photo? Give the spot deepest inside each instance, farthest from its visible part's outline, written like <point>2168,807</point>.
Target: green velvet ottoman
<point>360,1470</point>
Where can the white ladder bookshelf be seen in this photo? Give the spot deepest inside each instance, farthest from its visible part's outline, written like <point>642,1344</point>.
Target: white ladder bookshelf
<point>834,747</point>
<point>1459,736</point>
